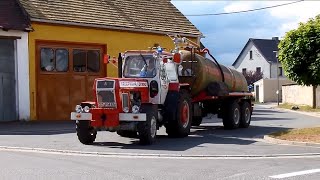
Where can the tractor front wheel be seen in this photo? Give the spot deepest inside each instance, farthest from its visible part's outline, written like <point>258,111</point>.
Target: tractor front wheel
<point>86,133</point>
<point>147,131</point>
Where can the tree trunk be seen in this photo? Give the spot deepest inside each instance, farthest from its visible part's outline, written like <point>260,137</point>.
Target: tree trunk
<point>314,101</point>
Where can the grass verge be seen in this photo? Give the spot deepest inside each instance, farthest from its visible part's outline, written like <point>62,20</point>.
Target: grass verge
<point>301,135</point>
<point>301,107</point>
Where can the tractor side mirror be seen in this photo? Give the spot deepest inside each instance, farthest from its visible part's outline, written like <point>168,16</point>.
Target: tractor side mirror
<point>106,58</point>
<point>177,58</point>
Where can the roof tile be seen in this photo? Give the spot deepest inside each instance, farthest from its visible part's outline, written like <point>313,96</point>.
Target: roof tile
<point>146,15</point>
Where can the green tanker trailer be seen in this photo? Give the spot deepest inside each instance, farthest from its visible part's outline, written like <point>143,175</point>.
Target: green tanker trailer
<point>215,89</point>
<point>202,73</point>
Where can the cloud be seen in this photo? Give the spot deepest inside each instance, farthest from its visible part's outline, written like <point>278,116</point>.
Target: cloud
<point>239,6</point>
<point>293,14</point>
<point>290,15</point>
<point>226,35</point>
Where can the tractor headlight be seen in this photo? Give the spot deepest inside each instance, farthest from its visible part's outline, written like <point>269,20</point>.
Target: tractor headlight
<point>126,109</point>
<point>135,109</point>
<point>86,109</point>
<point>78,109</point>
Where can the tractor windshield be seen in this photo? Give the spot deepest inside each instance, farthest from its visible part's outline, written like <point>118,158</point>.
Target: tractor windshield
<point>140,66</point>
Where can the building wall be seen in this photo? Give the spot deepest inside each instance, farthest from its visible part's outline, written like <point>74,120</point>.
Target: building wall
<point>114,42</point>
<point>259,86</point>
<point>251,64</point>
<point>268,89</point>
<point>22,72</point>
<point>274,67</point>
<point>300,95</point>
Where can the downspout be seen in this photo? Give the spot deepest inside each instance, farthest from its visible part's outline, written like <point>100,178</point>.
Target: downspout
<point>270,63</point>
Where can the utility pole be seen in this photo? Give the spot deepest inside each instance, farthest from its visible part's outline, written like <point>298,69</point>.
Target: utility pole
<point>278,93</point>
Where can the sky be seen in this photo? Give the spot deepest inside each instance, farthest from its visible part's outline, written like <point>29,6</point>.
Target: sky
<point>226,35</point>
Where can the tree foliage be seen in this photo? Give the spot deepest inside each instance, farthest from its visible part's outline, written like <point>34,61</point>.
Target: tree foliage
<point>253,76</point>
<point>299,53</point>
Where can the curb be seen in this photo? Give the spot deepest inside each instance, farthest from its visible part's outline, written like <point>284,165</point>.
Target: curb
<point>285,142</point>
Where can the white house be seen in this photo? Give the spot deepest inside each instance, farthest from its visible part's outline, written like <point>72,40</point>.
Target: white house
<point>14,62</point>
<point>260,55</point>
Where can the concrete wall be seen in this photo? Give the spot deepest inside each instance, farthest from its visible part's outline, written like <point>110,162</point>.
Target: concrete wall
<point>22,72</point>
<point>268,89</point>
<point>300,95</point>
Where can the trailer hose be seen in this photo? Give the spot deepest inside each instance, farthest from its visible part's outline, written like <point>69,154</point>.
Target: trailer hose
<point>207,51</point>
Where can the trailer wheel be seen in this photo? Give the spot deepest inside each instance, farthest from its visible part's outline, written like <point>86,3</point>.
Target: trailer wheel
<point>196,120</point>
<point>231,118</point>
<point>180,126</point>
<point>86,134</point>
<point>147,131</point>
<point>245,118</point>
<point>126,133</point>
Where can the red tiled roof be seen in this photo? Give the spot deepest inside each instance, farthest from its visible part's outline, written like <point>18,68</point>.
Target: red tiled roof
<point>159,16</point>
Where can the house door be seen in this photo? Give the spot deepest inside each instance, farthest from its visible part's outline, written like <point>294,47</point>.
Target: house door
<point>65,76</point>
<point>257,93</point>
<point>7,81</point>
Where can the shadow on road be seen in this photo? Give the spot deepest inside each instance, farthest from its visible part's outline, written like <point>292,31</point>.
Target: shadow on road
<point>265,118</point>
<point>37,127</point>
<point>198,138</point>
<point>266,111</point>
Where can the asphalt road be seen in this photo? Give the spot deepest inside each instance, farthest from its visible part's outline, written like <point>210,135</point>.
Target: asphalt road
<point>52,151</point>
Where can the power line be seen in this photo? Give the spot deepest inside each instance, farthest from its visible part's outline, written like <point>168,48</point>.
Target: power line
<point>244,11</point>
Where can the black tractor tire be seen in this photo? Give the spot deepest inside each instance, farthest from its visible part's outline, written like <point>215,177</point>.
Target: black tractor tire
<point>147,131</point>
<point>196,120</point>
<point>128,134</point>
<point>180,124</point>
<point>231,117</point>
<point>86,133</point>
<point>246,113</point>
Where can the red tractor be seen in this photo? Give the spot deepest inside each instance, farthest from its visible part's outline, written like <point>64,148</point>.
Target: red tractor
<point>171,89</point>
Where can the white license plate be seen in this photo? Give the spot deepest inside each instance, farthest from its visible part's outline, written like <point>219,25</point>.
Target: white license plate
<point>81,116</point>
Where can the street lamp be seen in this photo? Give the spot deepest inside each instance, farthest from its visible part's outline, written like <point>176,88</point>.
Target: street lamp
<point>278,93</point>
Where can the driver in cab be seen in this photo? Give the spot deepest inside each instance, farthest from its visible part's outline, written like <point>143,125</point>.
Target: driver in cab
<point>148,69</point>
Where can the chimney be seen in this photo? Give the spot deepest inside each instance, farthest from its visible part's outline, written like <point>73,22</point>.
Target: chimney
<point>275,38</point>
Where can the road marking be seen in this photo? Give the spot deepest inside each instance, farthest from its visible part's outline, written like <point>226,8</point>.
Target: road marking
<point>298,173</point>
<point>156,156</point>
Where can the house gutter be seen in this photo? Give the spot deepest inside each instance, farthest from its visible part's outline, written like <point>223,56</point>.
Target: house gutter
<point>112,27</point>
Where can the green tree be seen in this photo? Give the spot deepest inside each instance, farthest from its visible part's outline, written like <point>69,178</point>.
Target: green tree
<point>299,53</point>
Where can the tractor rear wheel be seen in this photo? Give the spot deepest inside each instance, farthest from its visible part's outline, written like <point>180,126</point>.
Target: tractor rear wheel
<point>181,124</point>
<point>196,120</point>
